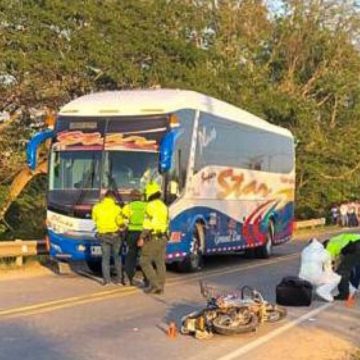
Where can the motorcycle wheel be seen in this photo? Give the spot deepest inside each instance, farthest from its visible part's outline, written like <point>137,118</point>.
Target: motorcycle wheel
<point>275,313</point>
<point>224,324</point>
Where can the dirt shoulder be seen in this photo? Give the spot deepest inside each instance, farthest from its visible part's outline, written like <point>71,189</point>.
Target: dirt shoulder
<point>29,270</point>
<point>306,234</point>
<point>305,344</point>
<point>333,334</point>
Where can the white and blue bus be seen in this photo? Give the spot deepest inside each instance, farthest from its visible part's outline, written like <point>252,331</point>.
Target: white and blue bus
<point>227,175</point>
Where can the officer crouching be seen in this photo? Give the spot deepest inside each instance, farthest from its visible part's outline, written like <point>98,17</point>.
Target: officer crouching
<point>153,240</point>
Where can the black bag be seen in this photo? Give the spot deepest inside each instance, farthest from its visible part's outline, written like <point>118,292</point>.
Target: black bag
<point>293,291</point>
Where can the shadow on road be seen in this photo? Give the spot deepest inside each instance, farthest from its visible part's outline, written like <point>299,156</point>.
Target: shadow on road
<point>179,309</point>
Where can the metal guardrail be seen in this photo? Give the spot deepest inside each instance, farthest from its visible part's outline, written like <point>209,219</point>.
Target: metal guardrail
<point>309,223</point>
<point>22,248</point>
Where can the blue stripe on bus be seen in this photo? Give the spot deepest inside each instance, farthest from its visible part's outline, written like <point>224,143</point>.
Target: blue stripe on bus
<point>227,235</point>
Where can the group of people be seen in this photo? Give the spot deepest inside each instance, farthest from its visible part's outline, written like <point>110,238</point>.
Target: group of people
<point>345,215</point>
<point>143,225</point>
<point>334,263</point>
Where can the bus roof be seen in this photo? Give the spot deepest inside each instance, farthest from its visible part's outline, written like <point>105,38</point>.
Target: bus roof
<point>160,101</point>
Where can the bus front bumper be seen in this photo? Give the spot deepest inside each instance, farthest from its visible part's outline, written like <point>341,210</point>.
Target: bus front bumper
<point>66,248</point>
<point>74,249</point>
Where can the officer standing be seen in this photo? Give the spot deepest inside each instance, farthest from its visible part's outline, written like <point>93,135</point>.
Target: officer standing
<point>109,221</point>
<point>134,211</point>
<point>153,239</point>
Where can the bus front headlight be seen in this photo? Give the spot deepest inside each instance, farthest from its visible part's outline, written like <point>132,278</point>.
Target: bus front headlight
<point>81,247</point>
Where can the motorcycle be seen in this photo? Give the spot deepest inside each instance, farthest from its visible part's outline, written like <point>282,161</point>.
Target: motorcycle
<point>230,312</point>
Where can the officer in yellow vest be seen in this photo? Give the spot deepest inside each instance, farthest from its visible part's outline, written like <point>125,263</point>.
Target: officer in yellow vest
<point>134,212</point>
<point>110,226</point>
<point>153,239</point>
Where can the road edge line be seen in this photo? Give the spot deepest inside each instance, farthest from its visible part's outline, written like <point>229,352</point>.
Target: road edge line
<point>265,338</point>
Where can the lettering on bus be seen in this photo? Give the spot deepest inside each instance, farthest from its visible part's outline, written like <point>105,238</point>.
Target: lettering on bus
<point>205,138</point>
<point>235,184</point>
<point>286,180</point>
<point>221,239</point>
<point>205,177</point>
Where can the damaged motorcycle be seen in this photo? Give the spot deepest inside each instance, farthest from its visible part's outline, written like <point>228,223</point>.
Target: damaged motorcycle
<point>230,312</point>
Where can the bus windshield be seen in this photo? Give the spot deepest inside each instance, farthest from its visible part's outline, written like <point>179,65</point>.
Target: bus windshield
<point>75,170</point>
<point>129,170</point>
<point>121,170</point>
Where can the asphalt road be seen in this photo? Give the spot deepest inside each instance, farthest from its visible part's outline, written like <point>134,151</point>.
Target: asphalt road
<point>73,317</point>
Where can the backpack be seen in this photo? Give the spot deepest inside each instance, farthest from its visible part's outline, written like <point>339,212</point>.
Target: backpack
<point>294,291</point>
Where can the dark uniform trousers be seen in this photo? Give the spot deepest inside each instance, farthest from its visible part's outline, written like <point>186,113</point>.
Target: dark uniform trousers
<point>350,260</point>
<point>110,245</point>
<point>153,253</point>
<point>132,254</point>
<point>355,276</point>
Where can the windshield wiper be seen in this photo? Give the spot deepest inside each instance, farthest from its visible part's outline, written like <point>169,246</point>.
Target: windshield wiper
<point>113,186</point>
<point>89,180</point>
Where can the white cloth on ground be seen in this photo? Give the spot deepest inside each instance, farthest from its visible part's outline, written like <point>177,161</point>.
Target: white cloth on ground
<point>316,268</point>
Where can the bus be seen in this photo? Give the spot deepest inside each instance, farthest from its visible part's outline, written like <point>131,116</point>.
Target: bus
<point>227,176</point>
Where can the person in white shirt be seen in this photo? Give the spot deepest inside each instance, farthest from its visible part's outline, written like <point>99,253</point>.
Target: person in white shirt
<point>334,214</point>
<point>343,215</point>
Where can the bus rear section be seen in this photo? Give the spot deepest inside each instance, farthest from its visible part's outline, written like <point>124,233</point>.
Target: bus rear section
<point>240,191</point>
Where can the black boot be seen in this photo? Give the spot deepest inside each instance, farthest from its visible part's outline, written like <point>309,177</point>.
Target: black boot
<point>148,290</point>
<point>341,297</point>
<point>158,291</point>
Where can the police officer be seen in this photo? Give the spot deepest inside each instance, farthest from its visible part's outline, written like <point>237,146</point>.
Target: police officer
<point>153,239</point>
<point>134,211</point>
<point>109,221</point>
<point>346,248</point>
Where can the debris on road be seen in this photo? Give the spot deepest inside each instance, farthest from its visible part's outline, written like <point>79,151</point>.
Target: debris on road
<point>172,330</point>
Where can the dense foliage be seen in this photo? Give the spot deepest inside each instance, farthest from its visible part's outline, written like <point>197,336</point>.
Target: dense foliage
<point>297,67</point>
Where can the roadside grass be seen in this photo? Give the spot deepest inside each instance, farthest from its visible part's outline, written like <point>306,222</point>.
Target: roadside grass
<point>307,233</point>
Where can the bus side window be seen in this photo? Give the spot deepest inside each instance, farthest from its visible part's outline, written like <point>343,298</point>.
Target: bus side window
<point>176,180</point>
<point>174,187</point>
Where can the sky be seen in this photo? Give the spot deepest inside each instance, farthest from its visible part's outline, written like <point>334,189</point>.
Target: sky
<point>274,5</point>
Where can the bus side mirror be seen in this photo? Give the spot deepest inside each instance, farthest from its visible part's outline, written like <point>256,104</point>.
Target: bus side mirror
<point>33,145</point>
<point>167,146</point>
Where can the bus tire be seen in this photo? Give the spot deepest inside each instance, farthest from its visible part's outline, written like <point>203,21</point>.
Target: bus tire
<point>94,267</point>
<point>194,261</point>
<point>249,254</point>
<point>265,251</point>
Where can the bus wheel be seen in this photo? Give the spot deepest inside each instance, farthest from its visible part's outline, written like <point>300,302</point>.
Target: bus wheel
<point>265,251</point>
<point>94,267</point>
<point>194,261</point>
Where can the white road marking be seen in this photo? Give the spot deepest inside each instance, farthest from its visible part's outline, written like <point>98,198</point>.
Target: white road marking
<point>264,339</point>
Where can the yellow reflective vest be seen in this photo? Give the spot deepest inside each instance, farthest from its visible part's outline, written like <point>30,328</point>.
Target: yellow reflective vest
<point>107,216</point>
<point>134,212</point>
<point>156,217</point>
